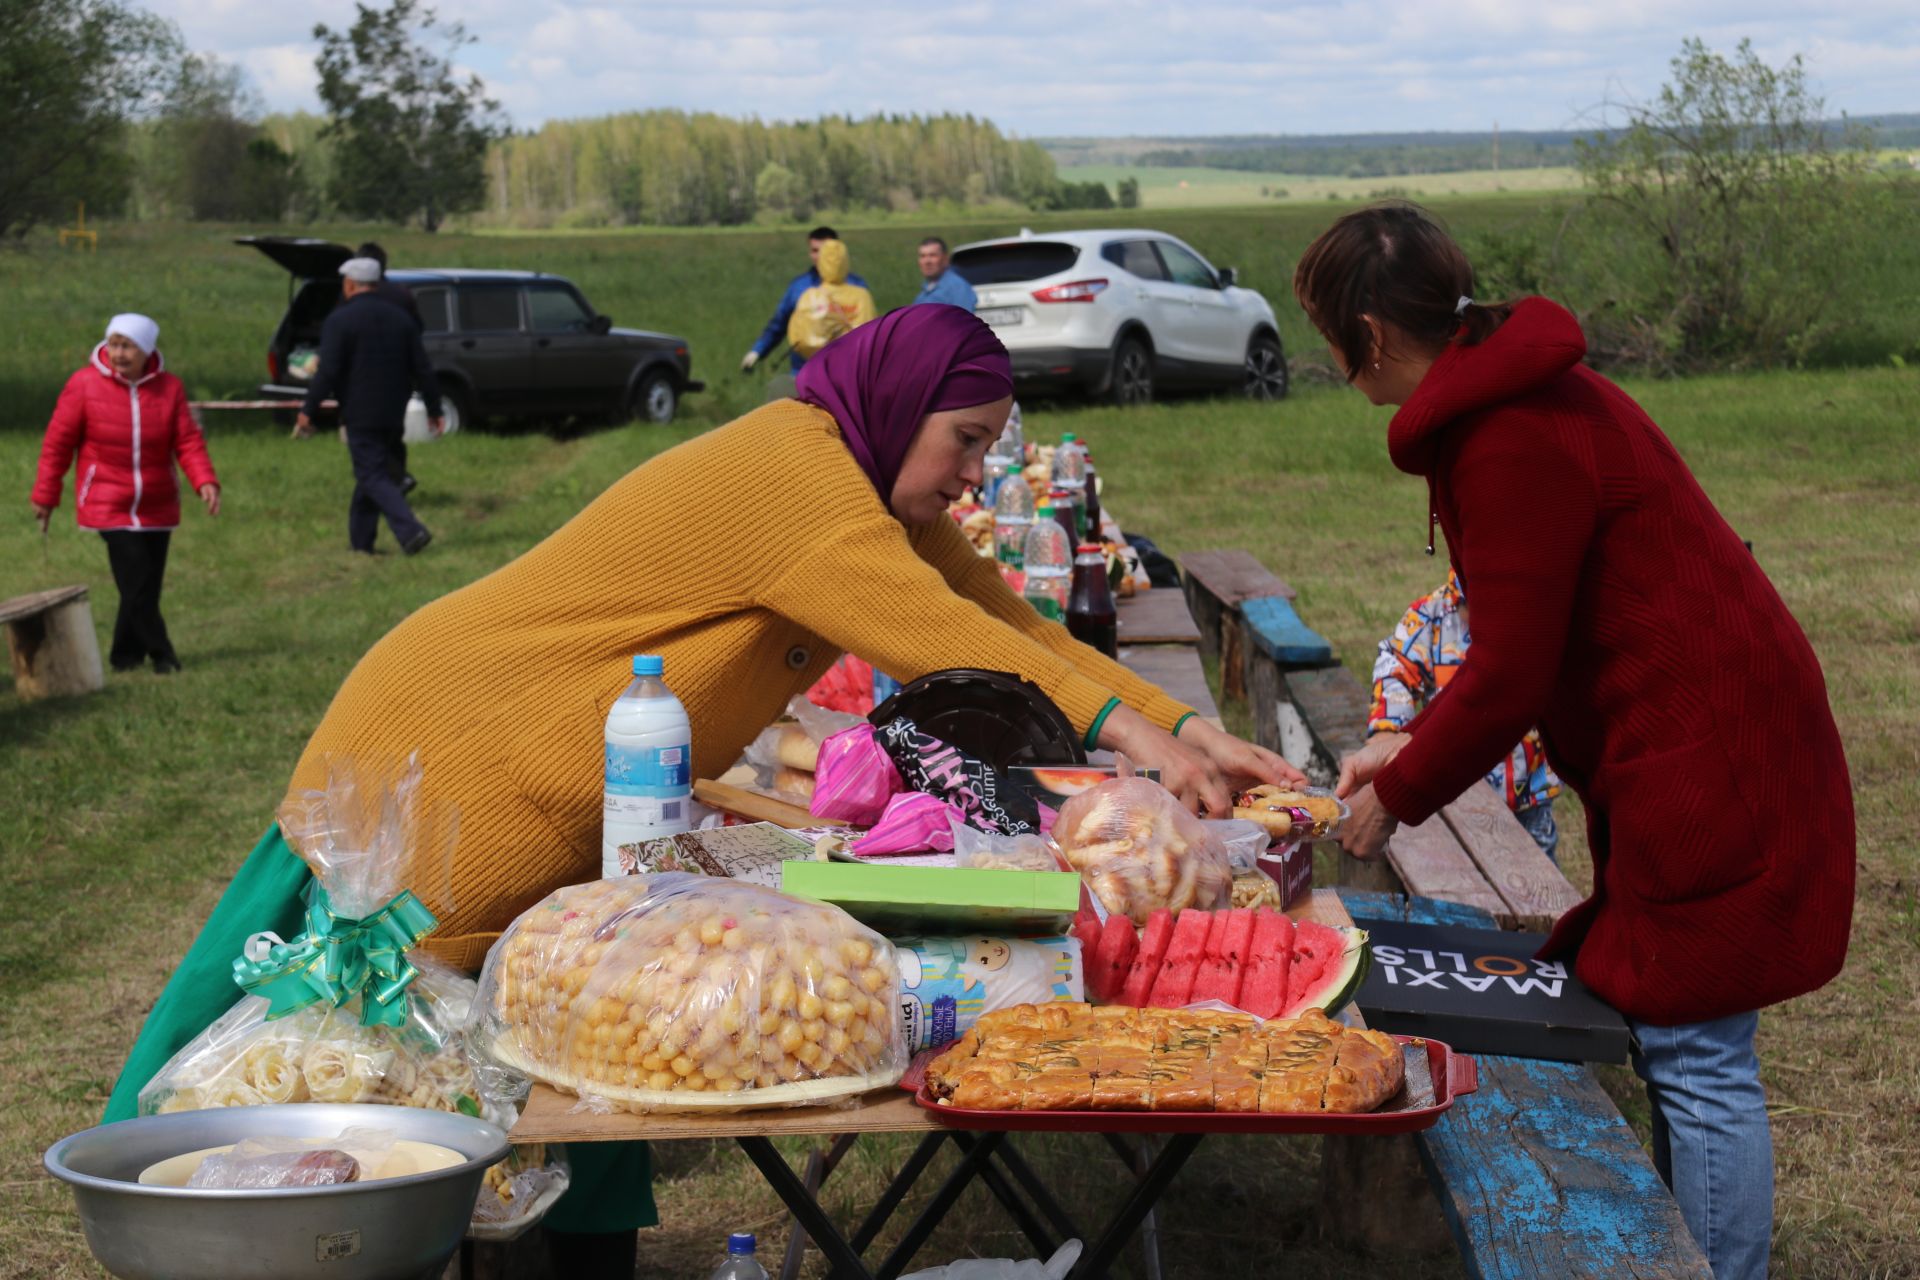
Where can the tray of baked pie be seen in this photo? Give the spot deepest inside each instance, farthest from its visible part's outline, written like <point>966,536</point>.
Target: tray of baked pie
<point>1099,1068</point>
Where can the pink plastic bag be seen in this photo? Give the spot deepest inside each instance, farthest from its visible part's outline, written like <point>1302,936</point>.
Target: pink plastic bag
<point>913,823</point>
<point>855,778</point>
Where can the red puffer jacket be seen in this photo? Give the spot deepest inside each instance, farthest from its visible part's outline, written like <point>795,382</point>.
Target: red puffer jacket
<point>127,435</point>
<point>1615,608</point>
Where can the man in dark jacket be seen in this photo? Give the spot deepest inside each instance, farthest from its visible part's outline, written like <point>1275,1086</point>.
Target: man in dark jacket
<point>371,360</point>
<point>402,297</point>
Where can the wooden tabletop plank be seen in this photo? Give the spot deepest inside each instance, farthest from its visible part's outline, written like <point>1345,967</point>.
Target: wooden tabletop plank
<point>1431,863</point>
<point>751,804</point>
<point>41,601</point>
<point>1531,885</point>
<point>1232,576</point>
<point>1158,616</point>
<point>1177,670</point>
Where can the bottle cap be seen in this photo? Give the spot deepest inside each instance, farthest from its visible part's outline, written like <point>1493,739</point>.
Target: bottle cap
<point>1069,438</point>
<point>742,1242</point>
<point>649,664</point>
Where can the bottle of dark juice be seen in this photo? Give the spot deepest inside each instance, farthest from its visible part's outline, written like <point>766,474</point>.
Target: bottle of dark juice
<point>1091,616</point>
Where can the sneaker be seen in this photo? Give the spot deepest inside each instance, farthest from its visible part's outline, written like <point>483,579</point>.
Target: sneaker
<point>408,484</point>
<point>165,666</point>
<point>419,543</point>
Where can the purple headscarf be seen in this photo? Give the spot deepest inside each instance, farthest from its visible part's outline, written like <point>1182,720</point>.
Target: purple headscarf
<point>882,379</point>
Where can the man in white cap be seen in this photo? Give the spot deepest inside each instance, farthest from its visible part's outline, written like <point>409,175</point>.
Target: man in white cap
<point>372,359</point>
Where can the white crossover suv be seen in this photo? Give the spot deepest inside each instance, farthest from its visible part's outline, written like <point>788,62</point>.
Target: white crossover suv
<point>1120,314</point>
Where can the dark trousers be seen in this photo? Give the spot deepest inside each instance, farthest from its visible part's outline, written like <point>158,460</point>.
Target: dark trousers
<point>376,489</point>
<point>139,561</point>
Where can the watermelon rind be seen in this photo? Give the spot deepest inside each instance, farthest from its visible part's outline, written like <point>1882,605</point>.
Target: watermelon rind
<point>1337,991</point>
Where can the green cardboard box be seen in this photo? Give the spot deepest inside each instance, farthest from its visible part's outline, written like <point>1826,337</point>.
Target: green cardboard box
<point>940,899</point>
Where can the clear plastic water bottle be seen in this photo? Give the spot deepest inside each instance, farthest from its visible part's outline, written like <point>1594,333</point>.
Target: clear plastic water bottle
<point>993,475</point>
<point>649,765</point>
<point>1014,438</point>
<point>1049,565</point>
<point>740,1263</point>
<point>1070,465</point>
<point>1012,516</point>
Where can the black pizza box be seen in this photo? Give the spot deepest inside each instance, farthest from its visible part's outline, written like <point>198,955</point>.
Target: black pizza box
<point>1482,991</point>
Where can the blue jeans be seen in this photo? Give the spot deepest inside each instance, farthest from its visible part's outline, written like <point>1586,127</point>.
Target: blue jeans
<point>1540,825</point>
<point>1711,1141</point>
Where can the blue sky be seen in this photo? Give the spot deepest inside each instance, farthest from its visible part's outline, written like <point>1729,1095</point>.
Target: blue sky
<point>1103,67</point>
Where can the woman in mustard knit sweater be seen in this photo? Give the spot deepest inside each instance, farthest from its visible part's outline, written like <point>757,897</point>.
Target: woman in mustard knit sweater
<point>750,558</point>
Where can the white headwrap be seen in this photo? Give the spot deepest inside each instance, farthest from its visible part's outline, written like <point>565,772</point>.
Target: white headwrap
<point>142,331</point>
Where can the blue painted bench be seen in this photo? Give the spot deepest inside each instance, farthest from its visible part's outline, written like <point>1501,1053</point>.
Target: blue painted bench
<point>1537,1173</point>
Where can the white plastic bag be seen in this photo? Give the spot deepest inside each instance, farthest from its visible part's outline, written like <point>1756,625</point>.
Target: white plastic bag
<point>1054,1268</point>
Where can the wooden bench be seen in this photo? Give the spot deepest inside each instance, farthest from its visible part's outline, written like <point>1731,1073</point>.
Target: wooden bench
<point>51,641</point>
<point>1537,1174</point>
<point>1246,618</point>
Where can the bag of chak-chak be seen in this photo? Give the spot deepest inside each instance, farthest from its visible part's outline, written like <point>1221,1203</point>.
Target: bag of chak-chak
<point>1138,849</point>
<point>676,992</point>
<point>348,1010</point>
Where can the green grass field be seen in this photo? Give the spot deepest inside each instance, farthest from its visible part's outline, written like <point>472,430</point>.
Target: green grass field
<point>1205,188</point>
<point>127,810</point>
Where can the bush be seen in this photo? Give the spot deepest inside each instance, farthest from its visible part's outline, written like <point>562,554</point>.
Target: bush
<point>1719,216</point>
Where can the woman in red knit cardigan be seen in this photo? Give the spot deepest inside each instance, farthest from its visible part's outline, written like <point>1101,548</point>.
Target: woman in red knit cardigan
<point>1617,610</point>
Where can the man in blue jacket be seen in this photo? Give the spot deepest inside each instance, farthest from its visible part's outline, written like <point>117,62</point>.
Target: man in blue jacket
<point>371,360</point>
<point>939,281</point>
<point>776,331</point>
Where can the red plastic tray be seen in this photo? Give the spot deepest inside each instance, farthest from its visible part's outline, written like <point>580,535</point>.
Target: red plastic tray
<point>1454,1075</point>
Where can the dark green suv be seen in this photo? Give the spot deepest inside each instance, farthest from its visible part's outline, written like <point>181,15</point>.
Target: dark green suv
<point>504,343</point>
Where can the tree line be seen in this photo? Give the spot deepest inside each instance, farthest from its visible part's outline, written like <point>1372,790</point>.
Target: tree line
<point>675,168</point>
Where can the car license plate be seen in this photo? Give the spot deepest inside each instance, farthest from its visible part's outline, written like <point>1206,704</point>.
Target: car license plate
<point>1001,315</point>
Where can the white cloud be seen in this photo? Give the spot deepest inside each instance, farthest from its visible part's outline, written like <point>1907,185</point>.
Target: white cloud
<point>1103,66</point>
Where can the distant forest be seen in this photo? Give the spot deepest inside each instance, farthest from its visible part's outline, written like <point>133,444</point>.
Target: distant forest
<point>680,169</point>
<point>1381,155</point>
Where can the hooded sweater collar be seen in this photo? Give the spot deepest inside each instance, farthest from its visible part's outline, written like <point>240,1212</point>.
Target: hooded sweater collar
<point>155,363</point>
<point>1539,342</point>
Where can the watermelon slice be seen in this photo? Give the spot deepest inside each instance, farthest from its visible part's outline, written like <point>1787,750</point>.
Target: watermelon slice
<point>1263,977</point>
<point>1328,966</point>
<point>1146,961</point>
<point>1086,927</point>
<point>1228,946</point>
<point>1112,958</point>
<point>1181,966</point>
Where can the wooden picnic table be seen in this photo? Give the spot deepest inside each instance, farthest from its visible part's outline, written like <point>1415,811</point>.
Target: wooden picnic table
<point>991,1157</point>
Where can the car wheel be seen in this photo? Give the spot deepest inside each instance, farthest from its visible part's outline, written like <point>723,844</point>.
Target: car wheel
<point>456,407</point>
<point>1131,378</point>
<point>1266,376</point>
<point>655,398</point>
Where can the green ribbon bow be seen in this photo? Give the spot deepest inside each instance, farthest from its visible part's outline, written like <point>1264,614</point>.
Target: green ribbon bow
<point>339,957</point>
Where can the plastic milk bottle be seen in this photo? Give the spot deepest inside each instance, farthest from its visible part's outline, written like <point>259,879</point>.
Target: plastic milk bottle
<point>649,761</point>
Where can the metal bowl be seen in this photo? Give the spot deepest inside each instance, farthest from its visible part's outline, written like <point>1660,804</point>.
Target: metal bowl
<point>394,1229</point>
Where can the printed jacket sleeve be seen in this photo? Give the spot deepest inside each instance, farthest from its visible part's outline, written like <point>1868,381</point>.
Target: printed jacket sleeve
<point>189,445</point>
<point>860,586</point>
<point>64,431</point>
<point>977,577</point>
<point>1521,546</point>
<point>1401,674</point>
